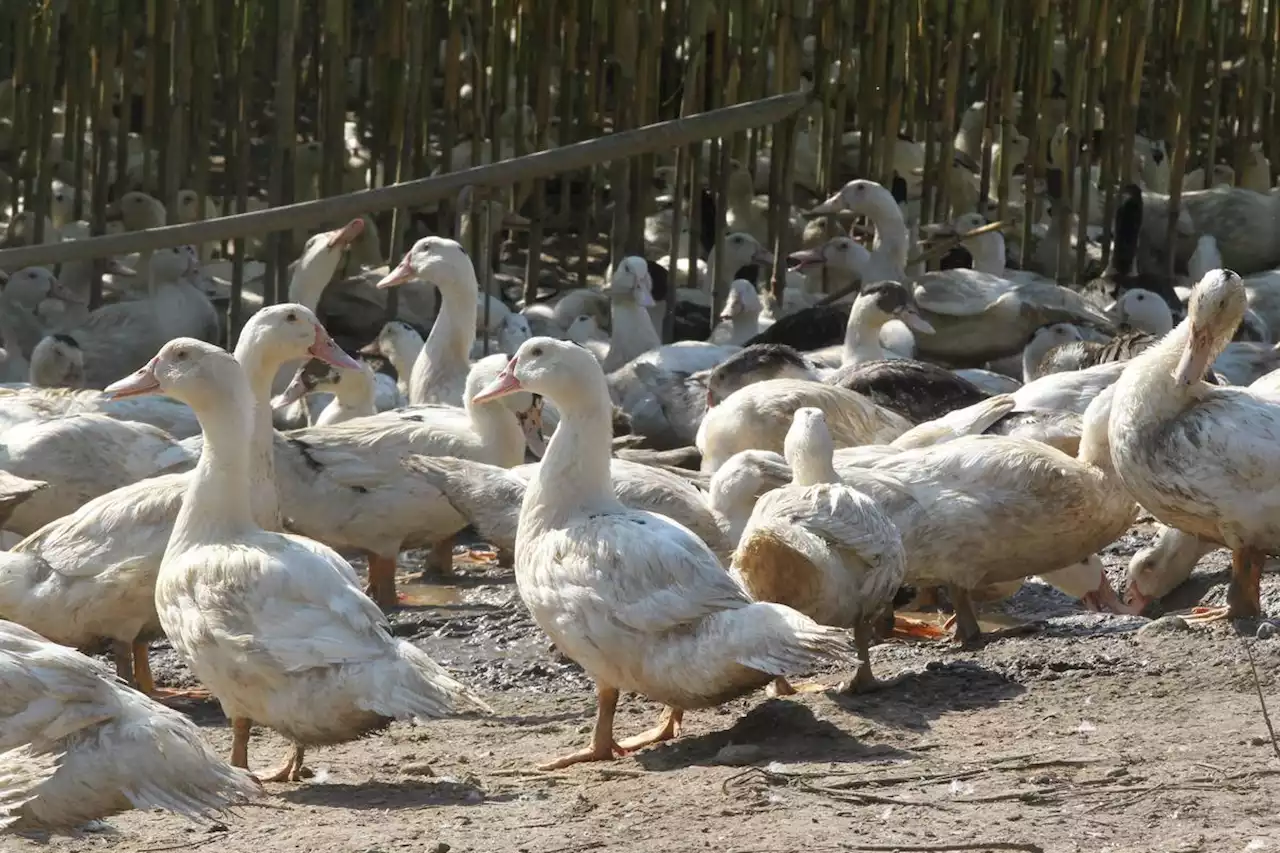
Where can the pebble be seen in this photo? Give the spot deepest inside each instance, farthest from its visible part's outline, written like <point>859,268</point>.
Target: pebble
<point>1267,630</point>
<point>1164,625</point>
<point>739,755</point>
<point>418,768</point>
<point>440,847</point>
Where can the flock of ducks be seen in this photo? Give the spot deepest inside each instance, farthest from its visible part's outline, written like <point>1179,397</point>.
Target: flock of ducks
<point>708,517</point>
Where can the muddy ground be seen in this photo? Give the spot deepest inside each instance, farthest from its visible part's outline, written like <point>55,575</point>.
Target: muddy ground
<point>1092,736</point>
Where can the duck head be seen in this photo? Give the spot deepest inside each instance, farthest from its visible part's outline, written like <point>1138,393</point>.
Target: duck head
<point>1214,311</point>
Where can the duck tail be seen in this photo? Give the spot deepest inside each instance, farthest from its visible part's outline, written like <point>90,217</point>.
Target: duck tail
<point>21,771</point>
<point>777,640</point>
<point>421,688</point>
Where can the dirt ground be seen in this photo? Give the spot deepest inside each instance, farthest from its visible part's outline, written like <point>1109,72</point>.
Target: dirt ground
<point>1090,736</point>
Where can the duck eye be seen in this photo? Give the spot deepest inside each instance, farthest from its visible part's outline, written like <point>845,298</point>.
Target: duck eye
<point>536,352</point>
<point>182,355</point>
<point>291,317</point>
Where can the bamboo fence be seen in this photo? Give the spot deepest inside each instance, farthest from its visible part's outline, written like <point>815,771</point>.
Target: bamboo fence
<point>321,109</point>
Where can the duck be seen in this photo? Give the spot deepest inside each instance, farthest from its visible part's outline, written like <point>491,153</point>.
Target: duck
<point>944,498</point>
<point>399,343</point>
<point>311,274</point>
<point>759,415</point>
<point>489,497</point>
<point>81,456</point>
<point>97,746</point>
<point>634,598</point>
<point>585,332</point>
<point>439,373</point>
<point>116,338</point>
<point>740,316</point>
<point>862,197</point>
<point>1198,457</point>
<point>275,624</point>
<point>354,392</point>
<point>1245,223</point>
<point>344,484</point>
<point>821,547</point>
<point>57,362</point>
<point>512,330</point>
<point>90,575</point>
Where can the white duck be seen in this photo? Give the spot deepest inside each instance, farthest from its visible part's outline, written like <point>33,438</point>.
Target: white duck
<point>345,484</point>
<point>821,547</point>
<point>106,748</point>
<point>876,305</point>
<point>758,416</point>
<point>400,344</point>
<point>91,575</point>
<point>635,598</point>
<point>274,624</point>
<point>440,372</point>
<point>116,338</point>
<point>1198,457</point>
<point>354,391</point>
<point>740,315</point>
<point>81,457</point>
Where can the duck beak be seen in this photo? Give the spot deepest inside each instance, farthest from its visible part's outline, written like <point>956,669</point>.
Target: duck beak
<point>806,258</point>
<point>347,234</point>
<point>117,267</point>
<point>1135,600</point>
<point>730,310</point>
<point>531,425</point>
<point>296,391</point>
<point>137,384</point>
<point>832,205</point>
<point>1195,359</point>
<point>644,297</point>
<point>916,323</point>
<point>328,351</point>
<point>514,220</point>
<point>371,348</point>
<point>762,256</point>
<point>402,274</point>
<point>505,383</point>
<point>1104,600</point>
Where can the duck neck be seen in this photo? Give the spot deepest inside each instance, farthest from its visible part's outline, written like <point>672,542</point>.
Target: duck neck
<point>309,280</point>
<point>1151,376</point>
<point>499,431</point>
<point>251,353</point>
<point>746,324</point>
<point>892,241</point>
<point>574,476</point>
<point>633,330</point>
<point>218,505</point>
<point>811,469</point>
<point>862,335</point>
<point>446,355</point>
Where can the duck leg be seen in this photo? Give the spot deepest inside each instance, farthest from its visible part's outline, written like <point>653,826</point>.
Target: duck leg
<point>240,742</point>
<point>1244,594</point>
<point>122,656</point>
<point>292,769</point>
<point>603,747</point>
<point>146,683</point>
<point>863,681</point>
<point>441,560</point>
<point>668,727</point>
<point>968,632</point>
<point>382,581</point>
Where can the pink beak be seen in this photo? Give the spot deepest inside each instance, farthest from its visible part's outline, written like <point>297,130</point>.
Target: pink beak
<point>296,391</point>
<point>807,258</point>
<point>137,384</point>
<point>505,383</point>
<point>329,352</point>
<point>347,234</point>
<point>400,275</point>
<point>1104,600</point>
<point>57,291</point>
